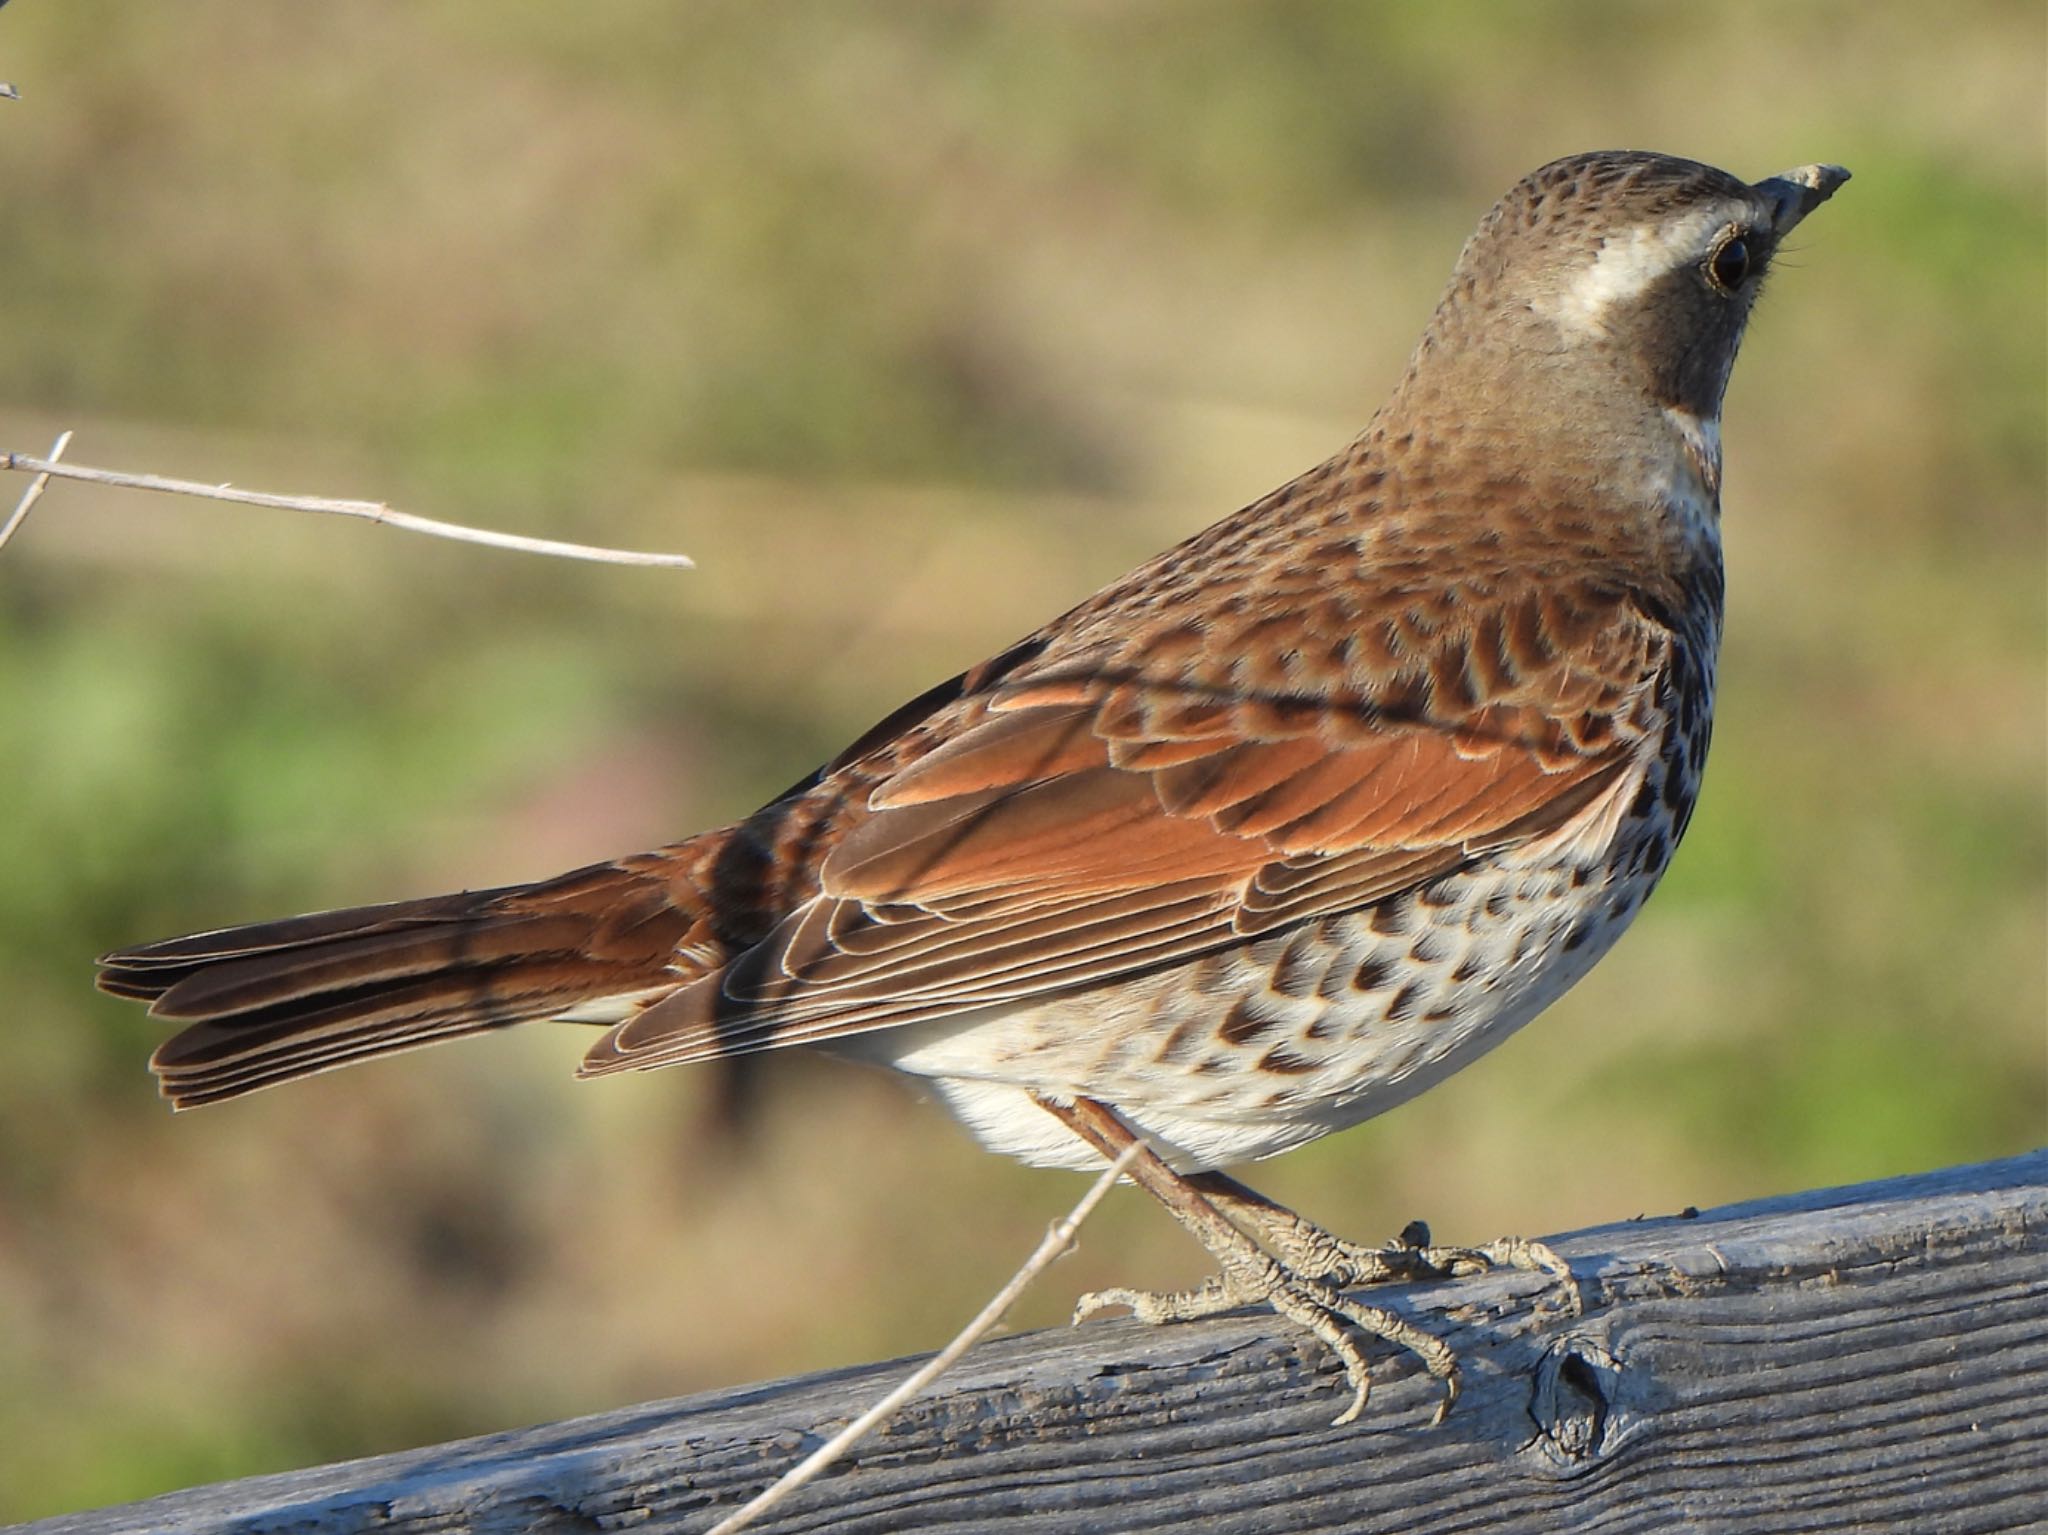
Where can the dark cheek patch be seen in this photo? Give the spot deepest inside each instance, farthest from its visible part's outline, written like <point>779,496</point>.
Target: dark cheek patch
<point>1687,374</point>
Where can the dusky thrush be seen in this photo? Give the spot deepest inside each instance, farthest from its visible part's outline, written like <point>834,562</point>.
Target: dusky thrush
<point>1257,842</point>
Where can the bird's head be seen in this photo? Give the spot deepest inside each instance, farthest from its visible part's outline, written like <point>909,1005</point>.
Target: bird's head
<point>1611,285</point>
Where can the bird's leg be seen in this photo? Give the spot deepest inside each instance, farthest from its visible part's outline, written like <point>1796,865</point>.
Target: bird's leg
<point>1250,1275</point>
<point>1314,1253</point>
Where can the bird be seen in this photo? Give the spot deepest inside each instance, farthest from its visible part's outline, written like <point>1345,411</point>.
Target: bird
<point>1261,840</point>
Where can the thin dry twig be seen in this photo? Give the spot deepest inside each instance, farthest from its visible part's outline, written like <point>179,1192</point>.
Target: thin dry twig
<point>34,493</point>
<point>1059,1237</point>
<point>372,511</point>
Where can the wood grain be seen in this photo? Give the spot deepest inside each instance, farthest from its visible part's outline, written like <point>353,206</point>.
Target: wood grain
<point>1868,1358</point>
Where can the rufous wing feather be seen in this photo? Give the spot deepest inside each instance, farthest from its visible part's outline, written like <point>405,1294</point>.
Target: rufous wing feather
<point>1048,841</point>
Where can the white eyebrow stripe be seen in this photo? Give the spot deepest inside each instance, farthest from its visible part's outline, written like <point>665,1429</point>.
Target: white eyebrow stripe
<point>1624,268</point>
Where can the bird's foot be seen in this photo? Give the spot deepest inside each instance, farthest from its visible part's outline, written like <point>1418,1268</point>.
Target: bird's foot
<point>1270,1256</point>
<point>1411,1258</point>
<point>1309,1303</point>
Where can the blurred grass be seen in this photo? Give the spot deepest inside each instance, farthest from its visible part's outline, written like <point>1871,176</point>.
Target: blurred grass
<point>914,324</point>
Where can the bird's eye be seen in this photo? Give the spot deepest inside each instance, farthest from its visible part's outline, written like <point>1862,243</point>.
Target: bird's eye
<point>1728,266</point>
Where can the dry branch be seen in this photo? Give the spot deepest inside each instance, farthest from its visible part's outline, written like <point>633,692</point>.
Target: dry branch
<point>1059,1239</point>
<point>372,511</point>
<point>35,490</point>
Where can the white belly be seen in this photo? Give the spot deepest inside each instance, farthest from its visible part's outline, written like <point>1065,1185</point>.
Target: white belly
<point>1255,1050</point>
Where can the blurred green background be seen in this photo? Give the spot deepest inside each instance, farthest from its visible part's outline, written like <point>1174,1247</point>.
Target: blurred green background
<point>913,323</point>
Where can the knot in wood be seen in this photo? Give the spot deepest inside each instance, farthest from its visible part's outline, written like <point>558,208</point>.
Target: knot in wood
<point>1576,1394</point>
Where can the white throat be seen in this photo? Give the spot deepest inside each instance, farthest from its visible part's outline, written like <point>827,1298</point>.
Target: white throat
<point>1700,437</point>
<point>1688,482</point>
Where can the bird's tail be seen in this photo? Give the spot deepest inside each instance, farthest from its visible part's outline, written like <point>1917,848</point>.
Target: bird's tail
<point>277,1000</point>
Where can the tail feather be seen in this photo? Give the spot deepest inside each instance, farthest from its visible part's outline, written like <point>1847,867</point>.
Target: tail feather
<point>251,983</point>
<point>191,1086</point>
<point>266,1003</point>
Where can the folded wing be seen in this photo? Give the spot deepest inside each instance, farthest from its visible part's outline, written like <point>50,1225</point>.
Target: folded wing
<point>1082,822</point>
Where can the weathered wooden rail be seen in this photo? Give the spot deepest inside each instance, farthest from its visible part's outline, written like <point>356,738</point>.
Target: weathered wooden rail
<point>1867,1358</point>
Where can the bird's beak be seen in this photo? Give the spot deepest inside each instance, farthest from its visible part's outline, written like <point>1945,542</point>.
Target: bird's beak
<point>1797,193</point>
